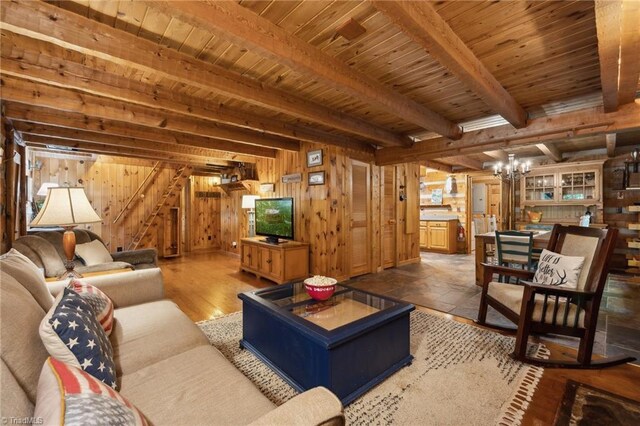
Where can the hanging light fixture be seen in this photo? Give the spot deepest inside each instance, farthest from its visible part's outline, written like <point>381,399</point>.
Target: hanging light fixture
<point>510,173</point>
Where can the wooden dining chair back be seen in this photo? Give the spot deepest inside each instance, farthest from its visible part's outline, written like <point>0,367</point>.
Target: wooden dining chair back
<point>542,308</point>
<point>513,249</point>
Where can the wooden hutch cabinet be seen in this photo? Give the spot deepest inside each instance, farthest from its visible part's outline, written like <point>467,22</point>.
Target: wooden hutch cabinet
<point>563,192</point>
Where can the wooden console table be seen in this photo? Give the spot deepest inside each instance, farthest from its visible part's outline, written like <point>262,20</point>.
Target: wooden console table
<point>280,263</point>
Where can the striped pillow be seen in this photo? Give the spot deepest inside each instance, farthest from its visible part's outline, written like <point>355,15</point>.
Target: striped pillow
<point>100,302</point>
<point>67,395</point>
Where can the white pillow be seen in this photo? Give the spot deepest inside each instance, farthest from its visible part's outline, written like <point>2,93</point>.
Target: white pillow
<point>558,270</point>
<point>93,253</point>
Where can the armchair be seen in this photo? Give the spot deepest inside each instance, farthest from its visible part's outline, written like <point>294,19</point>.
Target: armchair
<point>537,308</point>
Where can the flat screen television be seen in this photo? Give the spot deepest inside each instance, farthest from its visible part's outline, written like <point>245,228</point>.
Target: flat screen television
<point>274,219</point>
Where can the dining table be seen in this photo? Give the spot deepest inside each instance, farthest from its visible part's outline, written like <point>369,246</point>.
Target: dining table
<point>540,241</point>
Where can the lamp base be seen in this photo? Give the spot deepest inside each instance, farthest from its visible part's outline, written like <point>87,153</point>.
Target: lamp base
<point>70,272</point>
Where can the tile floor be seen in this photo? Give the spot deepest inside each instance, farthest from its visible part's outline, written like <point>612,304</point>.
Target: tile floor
<point>446,283</point>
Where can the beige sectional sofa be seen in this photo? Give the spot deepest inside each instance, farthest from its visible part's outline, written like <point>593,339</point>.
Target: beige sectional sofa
<point>165,364</point>
<point>45,250</point>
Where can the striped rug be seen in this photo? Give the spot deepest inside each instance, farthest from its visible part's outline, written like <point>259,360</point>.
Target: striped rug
<point>461,375</point>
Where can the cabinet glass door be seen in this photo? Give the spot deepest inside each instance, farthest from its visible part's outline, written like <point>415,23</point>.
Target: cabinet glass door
<point>540,188</point>
<point>578,186</point>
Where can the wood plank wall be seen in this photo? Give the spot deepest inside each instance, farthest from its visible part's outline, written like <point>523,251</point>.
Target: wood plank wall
<point>204,214</point>
<point>616,214</point>
<point>322,211</point>
<point>109,182</point>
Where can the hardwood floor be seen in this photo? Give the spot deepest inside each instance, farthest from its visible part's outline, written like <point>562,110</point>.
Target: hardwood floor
<point>205,285</point>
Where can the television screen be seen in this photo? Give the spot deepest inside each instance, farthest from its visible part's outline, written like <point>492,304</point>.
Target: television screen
<point>274,218</point>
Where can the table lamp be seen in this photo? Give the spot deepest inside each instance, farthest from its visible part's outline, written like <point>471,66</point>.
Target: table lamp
<point>249,202</point>
<point>66,207</point>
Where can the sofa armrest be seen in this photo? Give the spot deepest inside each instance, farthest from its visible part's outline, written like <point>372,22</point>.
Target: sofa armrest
<point>317,406</point>
<point>124,288</point>
<point>137,257</point>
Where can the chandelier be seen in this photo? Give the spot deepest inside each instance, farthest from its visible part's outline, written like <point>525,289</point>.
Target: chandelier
<point>513,170</point>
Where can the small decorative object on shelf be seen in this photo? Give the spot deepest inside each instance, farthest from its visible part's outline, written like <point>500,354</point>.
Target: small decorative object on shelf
<point>319,287</point>
<point>534,217</point>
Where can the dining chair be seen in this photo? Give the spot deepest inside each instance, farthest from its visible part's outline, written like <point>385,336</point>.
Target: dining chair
<point>514,249</point>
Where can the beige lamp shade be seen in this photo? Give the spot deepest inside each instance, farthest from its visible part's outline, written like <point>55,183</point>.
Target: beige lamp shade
<point>44,189</point>
<point>65,206</point>
<point>249,201</point>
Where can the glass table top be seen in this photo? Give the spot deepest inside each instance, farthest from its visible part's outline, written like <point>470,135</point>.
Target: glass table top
<point>344,307</point>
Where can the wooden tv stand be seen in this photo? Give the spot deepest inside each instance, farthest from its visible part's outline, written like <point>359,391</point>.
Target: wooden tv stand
<point>281,263</point>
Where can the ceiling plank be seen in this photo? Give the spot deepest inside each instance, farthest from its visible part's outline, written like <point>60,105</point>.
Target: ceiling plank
<point>421,22</point>
<point>617,24</point>
<point>100,148</point>
<point>550,151</point>
<point>52,24</point>
<point>28,62</point>
<point>464,161</point>
<point>52,133</point>
<point>236,23</point>
<point>30,93</point>
<point>590,121</point>
<point>611,144</point>
<point>71,120</point>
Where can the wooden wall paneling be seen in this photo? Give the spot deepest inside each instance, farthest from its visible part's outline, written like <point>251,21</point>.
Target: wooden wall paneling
<point>376,219</point>
<point>4,189</point>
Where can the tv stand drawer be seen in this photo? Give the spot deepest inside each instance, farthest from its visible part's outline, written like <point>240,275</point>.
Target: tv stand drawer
<point>281,263</point>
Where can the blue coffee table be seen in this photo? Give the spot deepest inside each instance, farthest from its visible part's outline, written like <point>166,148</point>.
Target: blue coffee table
<point>347,344</point>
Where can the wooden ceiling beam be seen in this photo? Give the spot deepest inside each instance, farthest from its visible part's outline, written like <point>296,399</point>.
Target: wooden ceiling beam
<point>240,140</point>
<point>610,139</point>
<point>52,24</point>
<point>617,24</point>
<point>420,21</point>
<point>71,120</point>
<point>241,26</point>
<point>42,62</point>
<point>436,165</point>
<point>208,155</point>
<point>104,149</point>
<point>464,161</point>
<point>498,154</point>
<point>550,151</point>
<point>590,121</point>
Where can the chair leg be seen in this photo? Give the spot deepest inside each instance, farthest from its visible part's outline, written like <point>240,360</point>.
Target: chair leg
<point>522,338</point>
<point>482,311</point>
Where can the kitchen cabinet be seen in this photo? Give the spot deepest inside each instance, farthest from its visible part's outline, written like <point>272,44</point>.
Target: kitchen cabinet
<point>439,235</point>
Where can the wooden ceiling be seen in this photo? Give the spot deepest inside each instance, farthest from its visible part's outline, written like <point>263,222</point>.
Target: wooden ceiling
<point>208,82</point>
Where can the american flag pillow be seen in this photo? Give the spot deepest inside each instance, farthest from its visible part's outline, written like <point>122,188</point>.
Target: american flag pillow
<point>69,396</point>
<point>100,302</point>
<point>71,333</point>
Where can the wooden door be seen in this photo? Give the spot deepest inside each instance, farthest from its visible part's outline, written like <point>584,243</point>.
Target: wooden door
<point>495,200</point>
<point>360,207</point>
<point>389,220</point>
<point>264,260</point>
<point>276,262</point>
<point>438,238</point>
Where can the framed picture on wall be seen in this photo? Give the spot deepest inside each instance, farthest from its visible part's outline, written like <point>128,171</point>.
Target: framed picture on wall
<point>314,158</point>
<point>316,178</point>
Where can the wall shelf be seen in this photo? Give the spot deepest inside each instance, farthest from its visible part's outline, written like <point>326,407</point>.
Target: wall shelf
<point>241,185</point>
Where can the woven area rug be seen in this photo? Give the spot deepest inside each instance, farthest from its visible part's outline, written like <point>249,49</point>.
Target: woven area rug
<point>461,374</point>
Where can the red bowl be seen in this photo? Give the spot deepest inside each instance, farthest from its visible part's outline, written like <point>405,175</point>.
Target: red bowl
<point>320,292</point>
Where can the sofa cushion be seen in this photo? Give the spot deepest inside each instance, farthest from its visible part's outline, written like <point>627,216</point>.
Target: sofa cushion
<point>102,267</point>
<point>68,395</point>
<point>510,295</point>
<point>71,333</point>
<point>148,333</point>
<point>93,253</point>
<point>28,275</point>
<point>201,379</point>
<point>20,316</point>
<point>101,304</point>
<point>47,255</point>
